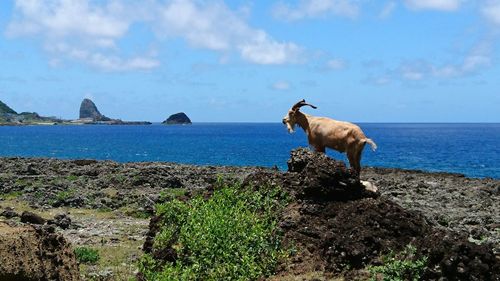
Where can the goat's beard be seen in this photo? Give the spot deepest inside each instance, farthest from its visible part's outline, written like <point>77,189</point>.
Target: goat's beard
<point>290,127</point>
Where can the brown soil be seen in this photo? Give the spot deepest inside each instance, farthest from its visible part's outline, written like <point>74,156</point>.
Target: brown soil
<point>35,253</point>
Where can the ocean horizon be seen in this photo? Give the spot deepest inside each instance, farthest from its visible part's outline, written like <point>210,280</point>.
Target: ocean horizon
<point>468,148</point>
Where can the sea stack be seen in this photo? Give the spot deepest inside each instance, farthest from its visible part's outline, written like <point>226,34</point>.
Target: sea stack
<point>88,110</point>
<point>178,118</point>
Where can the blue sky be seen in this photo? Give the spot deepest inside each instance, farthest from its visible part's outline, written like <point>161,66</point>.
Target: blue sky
<point>249,61</point>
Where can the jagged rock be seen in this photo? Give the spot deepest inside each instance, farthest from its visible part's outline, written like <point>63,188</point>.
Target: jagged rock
<point>88,110</point>
<point>29,217</point>
<point>35,253</point>
<point>61,220</point>
<point>9,213</point>
<point>178,118</point>
<point>313,175</point>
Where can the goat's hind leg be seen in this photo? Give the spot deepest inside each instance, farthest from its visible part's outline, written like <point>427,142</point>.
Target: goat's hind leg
<point>319,148</point>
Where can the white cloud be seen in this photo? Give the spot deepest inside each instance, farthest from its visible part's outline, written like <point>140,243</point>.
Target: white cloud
<point>336,64</point>
<point>387,10</point>
<point>316,8</point>
<point>59,18</point>
<point>80,31</point>
<point>90,31</point>
<point>214,26</point>
<point>491,11</point>
<point>477,59</point>
<point>441,5</point>
<point>281,86</point>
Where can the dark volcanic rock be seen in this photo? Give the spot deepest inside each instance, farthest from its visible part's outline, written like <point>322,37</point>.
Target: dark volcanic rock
<point>88,110</point>
<point>105,184</point>
<point>61,220</point>
<point>35,253</point>
<point>178,118</point>
<point>9,213</point>
<point>314,176</point>
<point>29,217</point>
<point>337,227</point>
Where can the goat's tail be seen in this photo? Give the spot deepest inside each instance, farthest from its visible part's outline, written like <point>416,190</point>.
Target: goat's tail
<point>372,143</point>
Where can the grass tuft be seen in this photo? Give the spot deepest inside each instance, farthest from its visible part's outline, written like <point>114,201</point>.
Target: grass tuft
<point>403,266</point>
<point>87,255</point>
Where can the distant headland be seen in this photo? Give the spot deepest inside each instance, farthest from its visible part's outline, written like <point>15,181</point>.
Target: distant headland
<point>89,115</point>
<point>8,116</point>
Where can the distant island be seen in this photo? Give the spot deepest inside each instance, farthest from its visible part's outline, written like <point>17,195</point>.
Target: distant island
<point>177,119</point>
<point>89,115</point>
<point>8,116</point>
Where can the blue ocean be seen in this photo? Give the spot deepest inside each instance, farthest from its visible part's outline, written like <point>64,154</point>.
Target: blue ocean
<point>470,149</point>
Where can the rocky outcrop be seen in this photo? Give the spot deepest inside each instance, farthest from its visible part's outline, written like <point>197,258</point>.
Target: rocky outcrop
<point>178,118</point>
<point>89,114</point>
<point>88,110</point>
<point>35,253</point>
<point>335,232</point>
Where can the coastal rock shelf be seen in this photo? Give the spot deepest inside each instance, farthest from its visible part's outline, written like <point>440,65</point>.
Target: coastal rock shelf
<point>332,219</point>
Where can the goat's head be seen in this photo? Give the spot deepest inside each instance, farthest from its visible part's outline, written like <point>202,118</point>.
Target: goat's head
<point>290,118</point>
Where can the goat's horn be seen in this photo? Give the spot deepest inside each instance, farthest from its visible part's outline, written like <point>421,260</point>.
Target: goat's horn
<point>302,103</point>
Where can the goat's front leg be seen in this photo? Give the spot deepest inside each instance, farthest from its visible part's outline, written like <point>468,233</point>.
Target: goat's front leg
<point>319,148</point>
<point>353,164</point>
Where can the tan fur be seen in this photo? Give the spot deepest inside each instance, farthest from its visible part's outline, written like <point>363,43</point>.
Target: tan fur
<point>323,132</point>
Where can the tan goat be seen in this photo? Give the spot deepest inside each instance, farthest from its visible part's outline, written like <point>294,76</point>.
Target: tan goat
<point>324,132</point>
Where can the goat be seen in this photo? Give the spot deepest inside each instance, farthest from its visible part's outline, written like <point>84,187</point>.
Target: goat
<point>323,132</point>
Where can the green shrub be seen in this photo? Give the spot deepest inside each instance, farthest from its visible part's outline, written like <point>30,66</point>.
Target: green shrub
<point>11,195</point>
<point>87,255</point>
<point>171,193</point>
<point>401,267</point>
<point>72,177</point>
<point>231,236</point>
<point>65,194</point>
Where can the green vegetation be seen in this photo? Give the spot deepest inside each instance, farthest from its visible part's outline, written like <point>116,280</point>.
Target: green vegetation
<point>171,193</point>
<point>86,255</point>
<point>6,109</point>
<point>72,177</point>
<point>231,236</point>
<point>11,195</point>
<point>66,194</point>
<point>21,183</point>
<point>401,267</point>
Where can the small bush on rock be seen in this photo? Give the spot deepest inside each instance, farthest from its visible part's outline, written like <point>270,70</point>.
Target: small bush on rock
<point>231,236</point>
<point>401,267</point>
<point>87,255</point>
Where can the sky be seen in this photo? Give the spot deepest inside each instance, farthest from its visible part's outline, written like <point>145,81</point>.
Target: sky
<point>250,61</point>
